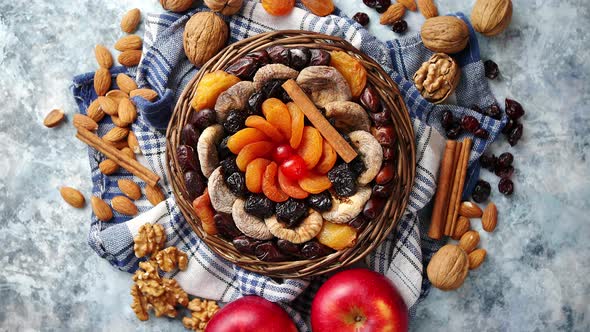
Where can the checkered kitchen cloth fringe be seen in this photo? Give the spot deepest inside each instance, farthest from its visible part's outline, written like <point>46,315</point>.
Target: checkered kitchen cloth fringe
<point>164,68</point>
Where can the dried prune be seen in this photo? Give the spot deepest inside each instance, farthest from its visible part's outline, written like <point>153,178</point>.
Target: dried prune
<point>203,118</point>
<point>361,18</point>
<point>314,249</point>
<point>187,159</point>
<point>385,135</point>
<point>195,186</point>
<point>469,123</point>
<point>373,207</point>
<point>388,153</point>
<point>235,121</point>
<point>447,120</point>
<point>513,109</point>
<point>370,99</point>
<point>320,202</point>
<point>289,248</point>
<point>506,187</point>
<point>382,118</point>
<point>358,222</point>
<point>515,134</point>
<point>383,190</point>
<point>504,172</point>
<point>279,54</point>
<point>244,68</point>
<point>259,206</point>
<point>505,159</point>
<point>482,133</point>
<point>385,174</point>
<point>229,166</point>
<point>493,112</point>
<point>399,26</point>
<point>343,180</point>
<point>246,245</point>
<point>222,150</point>
<point>319,57</point>
<point>236,182</point>
<point>299,57</point>
<point>454,131</point>
<point>291,212</point>
<point>268,252</point>
<point>357,166</point>
<point>189,135</point>
<point>379,5</point>
<point>273,89</point>
<point>488,162</point>
<point>481,192</point>
<point>491,69</point>
<point>226,226</point>
<point>255,103</point>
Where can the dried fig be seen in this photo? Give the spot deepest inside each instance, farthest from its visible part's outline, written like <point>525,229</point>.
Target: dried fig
<point>371,154</point>
<point>324,85</point>
<point>344,209</point>
<point>234,98</point>
<point>222,198</point>
<point>225,7</point>
<point>305,231</point>
<point>248,224</point>
<point>348,116</point>
<point>205,34</point>
<point>275,71</point>
<point>207,148</point>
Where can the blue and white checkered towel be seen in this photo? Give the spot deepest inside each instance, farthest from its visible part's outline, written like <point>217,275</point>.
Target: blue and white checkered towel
<point>165,68</point>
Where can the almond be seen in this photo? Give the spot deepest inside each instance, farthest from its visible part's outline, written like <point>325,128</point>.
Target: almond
<point>427,8</point>
<point>117,95</point>
<point>127,43</point>
<point>491,17</point>
<point>108,167</point>
<point>144,93</point>
<point>130,58</point>
<point>118,144</point>
<point>476,257</point>
<point>129,188</point>
<point>107,105</point>
<point>53,118</point>
<point>116,134</point>
<point>133,143</point>
<point>124,205</point>
<point>489,219</point>
<point>393,14</point>
<point>103,56</point>
<point>72,196</point>
<point>117,122</point>
<point>462,226</point>
<point>409,4</point>
<point>126,150</point>
<point>126,83</point>
<point>83,121</point>
<point>94,111</point>
<point>127,112</point>
<point>101,210</point>
<point>470,210</point>
<point>154,194</point>
<point>130,20</point>
<point>102,81</point>
<point>469,241</point>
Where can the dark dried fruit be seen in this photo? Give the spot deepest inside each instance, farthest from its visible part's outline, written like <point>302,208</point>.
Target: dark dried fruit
<point>383,190</point>
<point>447,120</point>
<point>187,159</point>
<point>246,245</point>
<point>382,5</point>
<point>513,109</point>
<point>236,182</point>
<point>510,124</point>
<point>189,135</point>
<point>373,207</point>
<point>226,226</point>
<point>255,103</point>
<point>370,99</point>
<point>481,192</point>
<point>320,202</point>
<point>203,118</point>
<point>261,57</point>
<point>399,26</point>
<point>382,118</point>
<point>385,174</point>
<point>289,248</point>
<point>505,172</point>
<point>244,68</point>
<point>494,112</point>
<point>491,68</point>
<point>385,135</point>
<point>268,252</point>
<point>259,206</point>
<point>299,57</point>
<point>319,57</point>
<point>361,18</point>
<point>388,153</point>
<point>455,131</point>
<point>357,166</point>
<point>488,162</point>
<point>505,159</point>
<point>279,54</point>
<point>273,89</point>
<point>358,222</point>
<point>370,3</point>
<point>482,133</point>
<point>229,166</point>
<point>314,249</point>
<point>235,121</point>
<point>291,212</point>
<point>515,134</point>
<point>469,123</point>
<point>476,108</point>
<point>222,150</point>
<point>195,186</point>
<point>343,180</point>
<point>506,187</point>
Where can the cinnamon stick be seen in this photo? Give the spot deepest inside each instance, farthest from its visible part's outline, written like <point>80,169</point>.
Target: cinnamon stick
<point>464,163</point>
<point>118,156</point>
<point>320,122</point>
<point>454,176</point>
<point>443,189</point>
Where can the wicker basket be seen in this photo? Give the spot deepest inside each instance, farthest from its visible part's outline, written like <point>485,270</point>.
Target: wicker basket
<point>376,231</point>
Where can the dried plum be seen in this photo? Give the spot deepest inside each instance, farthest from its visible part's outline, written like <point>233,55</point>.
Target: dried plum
<point>259,206</point>
<point>273,89</point>
<point>481,192</point>
<point>255,103</point>
<point>189,135</point>
<point>299,57</point>
<point>399,26</point>
<point>454,131</point>
<point>279,54</point>
<point>268,252</point>
<point>187,158</point>
<point>235,121</point>
<point>226,226</point>
<point>506,187</point>
<point>320,202</point>
<point>504,172</point>
<point>291,212</point>
<point>481,133</point>
<point>229,166</point>
<point>203,118</point>
<point>343,180</point>
<point>515,134</point>
<point>314,249</point>
<point>319,57</point>
<point>361,18</point>
<point>510,124</point>
<point>491,69</point>
<point>222,150</point>
<point>469,123</point>
<point>236,182</point>
<point>246,245</point>
<point>357,166</point>
<point>488,162</point>
<point>493,112</point>
<point>195,185</point>
<point>505,159</point>
<point>289,248</point>
<point>373,207</point>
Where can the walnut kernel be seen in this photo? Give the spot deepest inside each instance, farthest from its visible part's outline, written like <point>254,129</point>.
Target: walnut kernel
<point>170,258</point>
<point>202,312</point>
<point>149,240</point>
<point>437,78</point>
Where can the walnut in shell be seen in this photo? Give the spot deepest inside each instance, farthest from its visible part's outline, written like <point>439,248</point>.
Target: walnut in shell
<point>446,34</point>
<point>448,268</point>
<point>176,5</point>
<point>205,34</point>
<point>437,78</point>
<point>225,7</point>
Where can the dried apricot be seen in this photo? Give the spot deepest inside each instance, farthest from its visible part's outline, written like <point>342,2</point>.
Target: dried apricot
<point>260,123</point>
<point>291,187</point>
<point>277,114</point>
<point>244,137</point>
<point>297,123</point>
<point>253,151</point>
<point>254,172</point>
<point>337,236</point>
<point>315,183</point>
<point>205,213</point>
<point>319,7</point>
<point>310,148</point>
<point>278,7</point>
<point>210,87</point>
<point>352,69</point>
<point>327,160</point>
<point>269,184</point>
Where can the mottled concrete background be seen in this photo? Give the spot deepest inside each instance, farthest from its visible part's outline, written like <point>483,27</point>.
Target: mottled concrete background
<point>536,274</point>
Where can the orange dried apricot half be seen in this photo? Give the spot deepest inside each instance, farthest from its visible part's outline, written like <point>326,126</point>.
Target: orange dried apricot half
<point>319,7</point>
<point>269,184</point>
<point>278,7</point>
<point>254,172</point>
<point>277,114</point>
<point>297,123</point>
<point>260,123</point>
<point>327,160</point>
<point>337,236</point>
<point>290,186</point>
<point>315,183</point>
<point>311,146</point>
<point>253,151</point>
<point>352,69</point>
<point>205,213</point>
<point>244,137</point>
<point>210,87</point>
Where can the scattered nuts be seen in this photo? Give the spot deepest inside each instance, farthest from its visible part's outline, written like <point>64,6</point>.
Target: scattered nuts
<point>409,4</point>
<point>94,111</point>
<point>126,111</point>
<point>130,58</point>
<point>139,304</point>
<point>491,17</point>
<point>448,268</point>
<point>129,188</point>
<point>124,205</point>
<point>489,219</point>
<point>126,83</point>
<point>427,8</point>
<point>469,241</point>
<point>462,226</point>
<point>133,143</point>
<point>107,105</point>
<point>53,118</point>
<point>445,34</point>
<point>72,196</point>
<point>149,240</point>
<point>130,20</point>
<point>116,134</point>
<point>205,34</point>
<point>176,5</point>
<point>83,121</point>
<point>154,194</point>
<point>102,81</point>
<point>101,210</point>
<point>393,14</point>
<point>108,167</point>
<point>147,94</point>
<point>170,258</point>
<point>476,258</point>
<point>469,209</point>
<point>225,7</point>
<point>201,313</point>
<point>128,43</point>
<point>117,95</point>
<point>437,78</point>
<point>103,56</point>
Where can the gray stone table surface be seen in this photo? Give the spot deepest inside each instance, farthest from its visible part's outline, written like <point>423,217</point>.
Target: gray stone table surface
<point>535,277</point>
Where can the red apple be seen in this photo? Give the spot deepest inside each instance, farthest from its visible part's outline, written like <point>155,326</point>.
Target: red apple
<point>251,313</point>
<point>358,300</point>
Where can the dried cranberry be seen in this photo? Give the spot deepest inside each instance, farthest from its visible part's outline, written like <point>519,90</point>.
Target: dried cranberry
<point>491,68</point>
<point>236,120</point>
<point>385,174</point>
<point>494,112</point>
<point>469,123</point>
<point>481,133</point>
<point>515,134</point>
<point>361,18</point>
<point>506,186</point>
<point>187,158</point>
<point>259,206</point>
<point>505,159</point>
<point>373,207</point>
<point>291,211</point>
<point>255,103</point>
<point>383,190</point>
<point>447,120</point>
<point>382,5</point>
<point>203,118</point>
<point>385,135</point>
<point>189,135</point>
<point>455,131</point>
<point>508,127</point>
<point>370,99</point>
<point>268,252</point>
<point>236,182</point>
<point>513,109</point>
<point>299,57</point>
<point>388,153</point>
<point>195,186</point>
<point>382,118</point>
<point>289,248</point>
<point>244,68</point>
<point>505,172</point>
<point>481,192</point>
<point>279,54</point>
<point>343,180</point>
<point>246,245</point>
<point>370,3</point>
<point>314,249</point>
<point>320,202</point>
<point>399,26</point>
<point>488,162</point>
<point>319,57</point>
<point>358,222</point>
<point>226,226</point>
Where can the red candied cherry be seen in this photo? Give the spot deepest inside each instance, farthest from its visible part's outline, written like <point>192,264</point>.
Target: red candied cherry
<point>282,152</point>
<point>294,167</point>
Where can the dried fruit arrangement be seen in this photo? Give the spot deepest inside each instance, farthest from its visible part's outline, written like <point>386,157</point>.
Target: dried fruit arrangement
<point>274,175</point>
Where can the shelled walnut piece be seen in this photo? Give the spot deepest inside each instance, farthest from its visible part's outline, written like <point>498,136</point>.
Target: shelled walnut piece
<point>202,312</point>
<point>149,240</point>
<point>437,78</point>
<point>171,258</point>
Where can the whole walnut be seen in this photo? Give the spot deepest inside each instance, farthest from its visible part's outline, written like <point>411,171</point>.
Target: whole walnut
<point>225,7</point>
<point>490,17</point>
<point>205,34</point>
<point>176,5</point>
<point>446,34</point>
<point>448,267</point>
<point>437,78</point>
